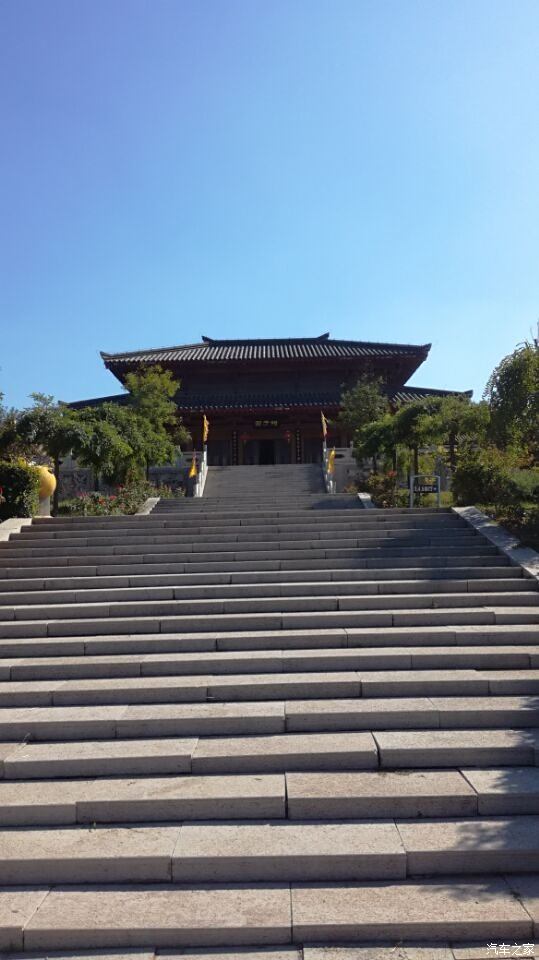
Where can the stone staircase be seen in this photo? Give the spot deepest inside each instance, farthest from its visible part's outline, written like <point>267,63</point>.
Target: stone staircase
<point>249,721</point>
<point>281,481</point>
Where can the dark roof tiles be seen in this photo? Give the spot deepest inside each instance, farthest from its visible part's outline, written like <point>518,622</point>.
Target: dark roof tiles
<point>307,348</point>
<point>192,402</point>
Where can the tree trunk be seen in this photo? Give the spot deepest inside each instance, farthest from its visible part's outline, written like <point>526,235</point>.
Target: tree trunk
<point>374,464</point>
<point>96,481</point>
<point>452,451</point>
<point>394,458</point>
<point>416,460</point>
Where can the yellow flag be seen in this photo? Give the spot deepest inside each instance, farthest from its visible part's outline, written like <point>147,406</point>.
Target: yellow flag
<point>193,468</point>
<point>324,425</point>
<point>331,461</point>
<point>205,428</point>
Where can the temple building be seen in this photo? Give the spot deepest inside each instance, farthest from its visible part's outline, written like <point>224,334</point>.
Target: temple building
<point>264,398</point>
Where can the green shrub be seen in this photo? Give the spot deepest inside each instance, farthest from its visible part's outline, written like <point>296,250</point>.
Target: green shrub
<point>19,489</point>
<point>485,476</point>
<point>520,519</point>
<point>527,482</point>
<point>384,489</point>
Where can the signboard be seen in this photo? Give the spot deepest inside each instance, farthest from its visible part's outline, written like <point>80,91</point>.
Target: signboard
<point>421,487</point>
<point>424,483</point>
<point>264,424</point>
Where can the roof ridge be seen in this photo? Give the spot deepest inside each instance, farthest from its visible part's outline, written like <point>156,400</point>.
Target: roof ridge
<point>207,343</point>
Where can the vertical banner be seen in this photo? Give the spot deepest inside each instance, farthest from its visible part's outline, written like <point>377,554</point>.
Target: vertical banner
<point>205,428</point>
<point>324,425</point>
<point>331,461</point>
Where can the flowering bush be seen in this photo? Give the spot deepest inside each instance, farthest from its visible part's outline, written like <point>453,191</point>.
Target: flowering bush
<point>126,500</point>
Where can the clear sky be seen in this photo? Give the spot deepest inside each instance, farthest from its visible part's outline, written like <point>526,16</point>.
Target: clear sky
<point>172,168</point>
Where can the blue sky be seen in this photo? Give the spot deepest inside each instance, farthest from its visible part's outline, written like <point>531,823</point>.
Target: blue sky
<point>172,168</point>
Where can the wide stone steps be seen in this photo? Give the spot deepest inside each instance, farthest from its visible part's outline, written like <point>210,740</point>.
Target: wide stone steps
<point>320,796</point>
<point>130,556</point>
<point>194,567</point>
<point>244,514</point>
<point>270,661</point>
<point>419,615</point>
<point>343,536</point>
<point>249,686</point>
<point>17,590</point>
<point>336,520</point>
<point>275,851</point>
<point>199,549</point>
<point>200,514</point>
<point>410,715</point>
<point>329,795</point>
<point>241,721</point>
<point>268,599</point>
<point>131,645</point>
<point>384,548</point>
<point>172,916</point>
<point>319,524</point>
<point>297,588</point>
<point>269,500</point>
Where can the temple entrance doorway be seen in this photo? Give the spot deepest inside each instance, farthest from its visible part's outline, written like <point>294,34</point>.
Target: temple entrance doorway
<point>266,451</point>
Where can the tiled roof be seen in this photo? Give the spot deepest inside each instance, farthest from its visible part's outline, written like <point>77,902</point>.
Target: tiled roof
<point>190,402</point>
<point>259,401</point>
<point>407,394</point>
<point>306,348</point>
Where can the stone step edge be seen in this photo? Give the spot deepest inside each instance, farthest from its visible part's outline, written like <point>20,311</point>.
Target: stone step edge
<point>271,590</point>
<point>263,914</point>
<point>271,661</point>
<point>77,801</point>
<point>238,606</point>
<point>183,857</point>
<point>337,638</point>
<point>405,617</point>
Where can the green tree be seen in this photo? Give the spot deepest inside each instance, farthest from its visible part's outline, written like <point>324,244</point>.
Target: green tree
<point>101,447</point>
<point>125,439</point>
<point>51,429</point>
<point>151,395</point>
<point>416,425</point>
<point>363,403</point>
<point>460,424</point>
<point>10,445</point>
<point>512,393</point>
<point>376,438</point>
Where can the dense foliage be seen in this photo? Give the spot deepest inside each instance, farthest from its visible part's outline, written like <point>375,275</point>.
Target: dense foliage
<point>489,450</point>
<point>512,393</point>
<point>118,441</point>
<point>19,489</point>
<point>485,476</point>
<point>384,490</point>
<point>363,403</point>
